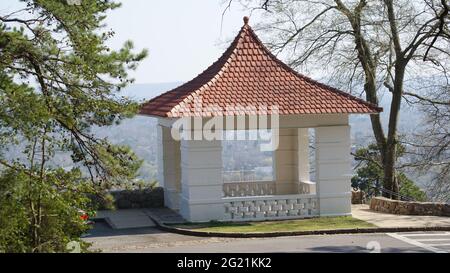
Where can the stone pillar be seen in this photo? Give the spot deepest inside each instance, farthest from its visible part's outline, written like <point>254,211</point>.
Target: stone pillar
<point>333,170</point>
<point>201,180</point>
<point>169,170</point>
<point>285,162</point>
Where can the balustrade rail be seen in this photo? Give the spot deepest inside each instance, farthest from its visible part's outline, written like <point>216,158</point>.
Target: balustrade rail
<point>262,188</point>
<point>250,188</point>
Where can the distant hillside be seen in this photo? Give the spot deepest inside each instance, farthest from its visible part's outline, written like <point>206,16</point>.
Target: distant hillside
<point>362,128</point>
<point>139,132</point>
<point>147,91</point>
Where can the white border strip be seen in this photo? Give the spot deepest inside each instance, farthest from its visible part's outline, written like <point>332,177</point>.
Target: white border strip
<point>427,235</point>
<point>416,243</point>
<point>432,240</point>
<point>439,244</point>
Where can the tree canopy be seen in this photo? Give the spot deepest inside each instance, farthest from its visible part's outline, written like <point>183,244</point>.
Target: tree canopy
<point>392,50</point>
<point>58,80</point>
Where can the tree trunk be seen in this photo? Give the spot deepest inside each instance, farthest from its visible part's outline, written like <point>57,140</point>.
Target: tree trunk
<point>390,153</point>
<point>370,86</point>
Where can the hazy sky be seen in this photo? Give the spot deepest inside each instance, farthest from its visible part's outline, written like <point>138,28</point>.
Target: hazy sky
<point>183,36</point>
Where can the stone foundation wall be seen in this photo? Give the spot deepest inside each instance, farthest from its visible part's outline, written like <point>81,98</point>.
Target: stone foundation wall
<point>131,199</point>
<point>409,208</point>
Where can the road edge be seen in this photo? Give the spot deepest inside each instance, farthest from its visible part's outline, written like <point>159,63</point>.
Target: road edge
<point>160,225</point>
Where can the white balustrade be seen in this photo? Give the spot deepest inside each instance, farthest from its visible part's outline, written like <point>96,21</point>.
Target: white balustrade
<point>270,207</point>
<point>251,188</point>
<point>306,187</point>
<point>261,188</point>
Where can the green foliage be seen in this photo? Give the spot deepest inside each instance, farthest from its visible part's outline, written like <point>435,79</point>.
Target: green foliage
<point>42,217</point>
<point>408,188</point>
<point>140,184</point>
<point>58,80</point>
<point>13,215</point>
<point>369,174</point>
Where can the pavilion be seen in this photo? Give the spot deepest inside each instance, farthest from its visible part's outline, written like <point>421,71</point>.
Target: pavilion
<point>246,83</point>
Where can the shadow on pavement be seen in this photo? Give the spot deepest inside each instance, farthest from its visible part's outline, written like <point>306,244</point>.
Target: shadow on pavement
<point>360,249</point>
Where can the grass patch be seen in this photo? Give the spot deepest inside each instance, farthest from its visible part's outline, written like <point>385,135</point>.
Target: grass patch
<point>320,223</point>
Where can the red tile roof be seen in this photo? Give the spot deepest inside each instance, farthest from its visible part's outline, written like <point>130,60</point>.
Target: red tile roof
<point>247,74</point>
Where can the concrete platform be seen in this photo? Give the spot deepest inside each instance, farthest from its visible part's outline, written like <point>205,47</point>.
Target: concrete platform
<point>386,220</point>
<point>165,216</point>
<point>126,218</point>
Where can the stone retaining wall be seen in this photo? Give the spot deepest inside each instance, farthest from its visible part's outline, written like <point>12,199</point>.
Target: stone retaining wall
<point>409,208</point>
<point>131,199</point>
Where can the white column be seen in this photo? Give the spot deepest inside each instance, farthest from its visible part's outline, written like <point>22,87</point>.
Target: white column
<point>169,170</point>
<point>201,178</point>
<point>303,154</point>
<point>333,170</point>
<point>285,162</point>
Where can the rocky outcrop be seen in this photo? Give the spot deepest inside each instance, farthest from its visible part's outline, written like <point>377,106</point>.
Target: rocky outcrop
<point>409,208</point>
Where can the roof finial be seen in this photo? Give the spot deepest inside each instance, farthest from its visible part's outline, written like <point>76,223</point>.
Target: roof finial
<point>246,20</point>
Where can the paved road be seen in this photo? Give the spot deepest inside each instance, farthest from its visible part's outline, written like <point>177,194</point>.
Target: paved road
<point>154,240</point>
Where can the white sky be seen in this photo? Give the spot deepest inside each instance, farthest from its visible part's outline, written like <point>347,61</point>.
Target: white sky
<point>183,37</point>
